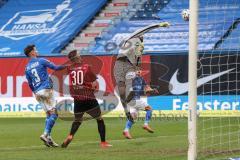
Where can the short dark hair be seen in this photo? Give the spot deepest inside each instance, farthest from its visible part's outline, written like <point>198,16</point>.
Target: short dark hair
<point>28,49</point>
<point>72,54</point>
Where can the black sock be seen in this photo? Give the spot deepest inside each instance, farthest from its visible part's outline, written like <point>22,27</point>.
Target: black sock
<point>75,126</point>
<point>101,129</point>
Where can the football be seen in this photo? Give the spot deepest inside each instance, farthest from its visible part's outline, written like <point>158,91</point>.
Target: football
<point>185,14</point>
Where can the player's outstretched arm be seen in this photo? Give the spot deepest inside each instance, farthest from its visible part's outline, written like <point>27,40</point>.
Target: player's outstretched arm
<point>52,66</point>
<point>143,30</point>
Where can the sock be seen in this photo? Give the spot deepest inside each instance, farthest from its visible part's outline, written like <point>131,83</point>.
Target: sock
<point>148,117</point>
<point>50,121</point>
<point>128,125</point>
<point>45,130</point>
<point>74,128</point>
<point>101,129</point>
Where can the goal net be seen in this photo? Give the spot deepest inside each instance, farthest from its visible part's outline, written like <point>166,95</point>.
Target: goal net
<point>218,82</point>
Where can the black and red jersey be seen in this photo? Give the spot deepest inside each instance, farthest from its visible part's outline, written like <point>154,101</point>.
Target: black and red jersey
<point>81,78</point>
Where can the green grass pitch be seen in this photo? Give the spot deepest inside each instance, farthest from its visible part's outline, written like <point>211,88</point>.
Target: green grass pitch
<point>19,140</point>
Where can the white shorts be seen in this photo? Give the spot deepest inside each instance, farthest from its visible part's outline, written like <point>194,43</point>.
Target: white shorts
<point>138,104</point>
<point>46,99</point>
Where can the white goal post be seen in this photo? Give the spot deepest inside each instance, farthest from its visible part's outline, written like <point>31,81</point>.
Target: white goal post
<point>192,78</point>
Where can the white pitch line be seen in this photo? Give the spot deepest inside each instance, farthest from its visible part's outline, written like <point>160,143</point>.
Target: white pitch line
<point>89,142</point>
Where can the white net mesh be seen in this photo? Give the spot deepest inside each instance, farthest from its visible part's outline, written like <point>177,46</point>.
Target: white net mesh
<point>218,95</point>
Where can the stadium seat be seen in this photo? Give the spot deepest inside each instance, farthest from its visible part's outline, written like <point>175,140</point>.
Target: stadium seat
<point>2,2</point>
<point>97,27</point>
<point>174,38</point>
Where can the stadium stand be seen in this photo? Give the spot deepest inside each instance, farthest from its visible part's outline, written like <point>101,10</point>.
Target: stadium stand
<point>97,27</point>
<point>231,40</point>
<point>106,18</point>
<point>2,2</point>
<point>50,25</point>
<point>176,37</point>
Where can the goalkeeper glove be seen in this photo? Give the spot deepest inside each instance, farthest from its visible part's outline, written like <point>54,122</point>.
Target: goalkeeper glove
<point>164,24</point>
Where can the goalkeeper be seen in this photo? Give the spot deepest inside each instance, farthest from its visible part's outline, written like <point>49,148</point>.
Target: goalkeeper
<point>128,60</point>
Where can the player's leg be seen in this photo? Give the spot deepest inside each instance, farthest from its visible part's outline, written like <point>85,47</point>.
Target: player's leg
<point>148,117</point>
<point>50,121</point>
<point>122,94</point>
<point>126,132</point>
<point>120,75</point>
<point>129,92</point>
<point>121,91</point>
<point>45,97</point>
<point>52,112</point>
<point>129,124</point>
<point>130,75</point>
<point>75,125</point>
<point>46,122</point>
<point>44,136</point>
<point>78,118</point>
<point>49,125</point>
<point>143,105</point>
<point>95,112</point>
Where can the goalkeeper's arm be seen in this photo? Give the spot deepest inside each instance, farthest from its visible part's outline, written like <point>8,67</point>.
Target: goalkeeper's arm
<point>143,30</point>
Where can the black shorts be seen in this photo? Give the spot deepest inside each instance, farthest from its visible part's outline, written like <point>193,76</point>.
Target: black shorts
<point>87,106</point>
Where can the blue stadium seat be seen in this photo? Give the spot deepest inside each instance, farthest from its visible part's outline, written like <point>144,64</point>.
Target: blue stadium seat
<point>3,2</point>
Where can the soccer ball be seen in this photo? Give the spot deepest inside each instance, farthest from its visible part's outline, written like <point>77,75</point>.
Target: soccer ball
<point>185,14</point>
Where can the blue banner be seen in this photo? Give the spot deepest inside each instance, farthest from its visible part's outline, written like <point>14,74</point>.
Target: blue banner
<point>50,25</point>
<point>220,102</point>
